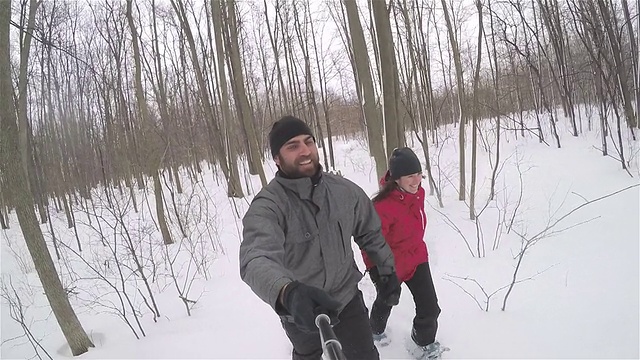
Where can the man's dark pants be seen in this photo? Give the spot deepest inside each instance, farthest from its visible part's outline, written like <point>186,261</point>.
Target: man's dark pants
<point>353,332</point>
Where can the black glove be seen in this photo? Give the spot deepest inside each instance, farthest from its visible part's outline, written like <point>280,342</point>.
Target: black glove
<point>305,302</point>
<point>388,286</point>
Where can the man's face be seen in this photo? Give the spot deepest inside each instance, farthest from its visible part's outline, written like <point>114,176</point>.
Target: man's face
<point>298,157</point>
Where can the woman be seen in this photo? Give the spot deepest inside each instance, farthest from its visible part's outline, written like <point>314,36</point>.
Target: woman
<point>400,205</point>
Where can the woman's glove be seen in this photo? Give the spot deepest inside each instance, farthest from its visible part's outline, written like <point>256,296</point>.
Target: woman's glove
<point>388,286</point>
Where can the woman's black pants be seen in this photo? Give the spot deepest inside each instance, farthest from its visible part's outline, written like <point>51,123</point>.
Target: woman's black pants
<point>425,323</point>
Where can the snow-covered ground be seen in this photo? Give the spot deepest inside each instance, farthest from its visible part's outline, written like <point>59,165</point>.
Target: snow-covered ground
<point>580,297</point>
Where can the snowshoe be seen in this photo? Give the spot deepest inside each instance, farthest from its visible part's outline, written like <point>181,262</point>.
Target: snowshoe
<point>431,351</point>
<point>381,340</point>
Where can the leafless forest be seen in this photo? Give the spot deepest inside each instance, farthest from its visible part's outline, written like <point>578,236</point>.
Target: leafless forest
<point>103,98</point>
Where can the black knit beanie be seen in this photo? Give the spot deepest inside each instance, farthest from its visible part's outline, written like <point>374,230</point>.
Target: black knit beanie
<point>284,129</point>
<point>403,162</point>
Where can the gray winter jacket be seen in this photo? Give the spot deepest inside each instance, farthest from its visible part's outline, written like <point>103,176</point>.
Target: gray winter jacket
<point>294,230</point>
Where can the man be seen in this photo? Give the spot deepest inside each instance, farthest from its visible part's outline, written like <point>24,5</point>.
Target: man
<point>296,253</point>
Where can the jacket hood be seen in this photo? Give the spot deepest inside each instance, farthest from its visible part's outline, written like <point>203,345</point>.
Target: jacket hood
<point>384,178</point>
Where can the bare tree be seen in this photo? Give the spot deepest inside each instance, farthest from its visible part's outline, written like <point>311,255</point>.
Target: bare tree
<point>550,11</point>
<point>283,97</point>
<point>461,94</point>
<point>620,69</point>
<point>207,105</point>
<point>496,87</point>
<point>588,31</point>
<point>25,49</point>
<point>154,162</point>
<point>15,178</point>
<point>162,99</point>
<point>364,82</point>
<point>322,83</point>
<point>17,312</point>
<point>475,115</point>
<point>242,103</point>
<point>223,92</point>
<point>421,80</point>
<point>394,128</point>
<point>634,44</point>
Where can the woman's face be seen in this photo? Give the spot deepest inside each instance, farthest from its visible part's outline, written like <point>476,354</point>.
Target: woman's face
<point>410,183</point>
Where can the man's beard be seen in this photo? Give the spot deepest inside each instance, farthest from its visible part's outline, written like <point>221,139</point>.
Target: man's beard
<point>294,170</point>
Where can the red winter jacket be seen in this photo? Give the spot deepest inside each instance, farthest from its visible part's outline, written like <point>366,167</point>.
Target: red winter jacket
<point>403,225</point>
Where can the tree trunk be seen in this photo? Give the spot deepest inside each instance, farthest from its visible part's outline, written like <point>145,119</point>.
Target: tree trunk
<point>23,122</point>
<point>551,20</point>
<point>635,56</point>
<point>161,95</point>
<point>420,64</point>
<point>156,159</point>
<point>461,95</point>
<point>16,179</point>
<point>474,130</point>
<point>283,99</point>
<point>323,95</point>
<point>207,106</point>
<point>364,82</point>
<point>620,69</point>
<point>239,91</point>
<point>302,32</point>
<point>496,88</point>
<point>389,74</point>
<point>223,93</point>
